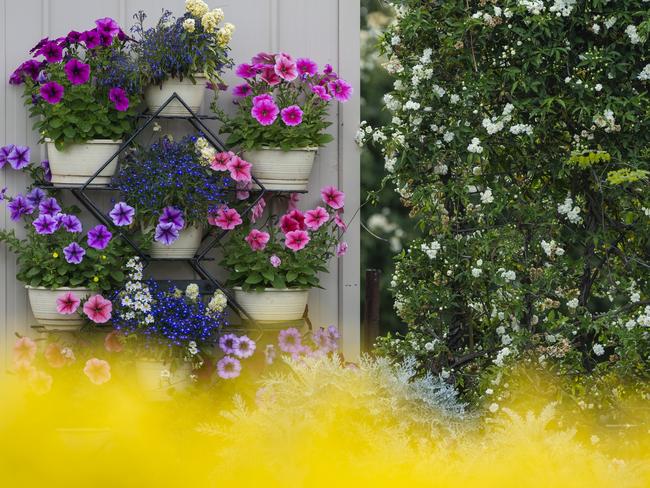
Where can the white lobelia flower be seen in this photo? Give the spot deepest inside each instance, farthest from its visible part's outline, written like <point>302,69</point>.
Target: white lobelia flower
<point>192,291</point>
<point>598,349</point>
<point>189,25</point>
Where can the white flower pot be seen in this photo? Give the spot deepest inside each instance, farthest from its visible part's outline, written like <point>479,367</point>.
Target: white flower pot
<point>273,305</point>
<point>191,93</point>
<point>78,162</point>
<point>184,247</point>
<point>282,170</point>
<point>43,303</point>
<point>156,378</point>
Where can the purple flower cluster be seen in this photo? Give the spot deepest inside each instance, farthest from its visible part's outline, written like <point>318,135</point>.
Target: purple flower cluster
<point>235,348</point>
<point>16,156</point>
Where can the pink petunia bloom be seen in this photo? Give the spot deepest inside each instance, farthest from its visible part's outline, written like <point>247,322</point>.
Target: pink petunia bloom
<point>114,341</point>
<point>270,76</point>
<point>306,67</point>
<point>243,188</point>
<point>275,261</point>
<point>227,218</point>
<point>315,218</point>
<point>299,217</point>
<point>258,210</point>
<point>292,115</point>
<point>246,71</point>
<point>257,239</point>
<point>290,340</point>
<point>294,198</point>
<point>228,367</point>
<point>333,197</point>
<point>264,96</point>
<point>220,161</point>
<point>265,112</point>
<point>24,351</point>
<point>67,303</point>
<point>98,371</point>
<point>340,223</point>
<point>341,90</point>
<point>240,170</point>
<point>58,356</point>
<point>119,98</point>
<point>287,224</point>
<point>285,68</point>
<point>341,249</point>
<point>107,26</point>
<point>263,58</point>
<point>98,309</point>
<point>40,382</point>
<point>296,240</point>
<point>242,90</point>
<point>321,91</point>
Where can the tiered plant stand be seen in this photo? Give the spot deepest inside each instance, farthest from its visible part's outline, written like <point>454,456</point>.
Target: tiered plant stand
<point>208,283</point>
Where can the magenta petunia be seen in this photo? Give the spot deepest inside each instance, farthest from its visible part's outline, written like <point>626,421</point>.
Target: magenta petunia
<point>119,98</point>
<point>263,58</point>
<point>74,253</point>
<point>78,73</point>
<point>340,223</point>
<point>257,239</point>
<point>245,347</point>
<point>220,161</point>
<point>99,237</point>
<point>242,91</point>
<point>275,261</point>
<point>246,71</point>
<point>306,67</point>
<point>52,92</point>
<point>228,343</point>
<point>74,37</point>
<point>45,224</point>
<point>270,76</point>
<point>292,115</point>
<point>105,39</point>
<point>91,38</point>
<point>341,249</point>
<point>166,233</point>
<point>18,158</point>
<point>315,218</point>
<point>67,303</point>
<point>290,340</point>
<point>19,206</point>
<point>71,223</point>
<point>333,197</point>
<point>265,112</point>
<point>52,52</point>
<point>341,90</point>
<point>122,214</point>
<point>228,367</point>
<point>243,189</point>
<point>258,210</point>
<point>285,68</point>
<point>98,309</point>
<point>4,154</point>
<point>240,170</point>
<point>299,217</point>
<point>172,215</point>
<point>49,206</point>
<point>264,96</point>
<point>287,224</point>
<point>107,26</point>
<point>296,240</point>
<point>322,93</point>
<point>227,218</point>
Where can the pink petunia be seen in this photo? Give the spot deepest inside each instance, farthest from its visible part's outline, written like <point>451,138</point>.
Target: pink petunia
<point>299,217</point>
<point>292,115</point>
<point>263,58</point>
<point>340,223</point>
<point>306,67</point>
<point>227,218</point>
<point>285,68</point>
<point>322,93</point>
<point>258,210</point>
<point>294,198</point>
<point>240,170</point>
<point>265,112</point>
<point>114,341</point>
<point>246,71</point>
<point>333,197</point>
<point>264,96</point>
<point>275,261</point>
<point>98,371</point>
<point>257,239</point>
<point>287,224</point>
<point>243,190</point>
<point>98,309</point>
<point>315,218</point>
<point>40,382</point>
<point>341,90</point>
<point>24,351</point>
<point>270,76</point>
<point>67,303</point>
<point>220,161</point>
<point>242,91</point>
<point>341,249</point>
<point>296,240</point>
<point>58,356</point>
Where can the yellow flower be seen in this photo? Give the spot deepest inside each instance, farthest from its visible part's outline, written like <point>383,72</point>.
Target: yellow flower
<point>211,20</point>
<point>189,25</point>
<point>55,255</point>
<point>197,8</point>
<point>225,34</point>
<point>95,279</point>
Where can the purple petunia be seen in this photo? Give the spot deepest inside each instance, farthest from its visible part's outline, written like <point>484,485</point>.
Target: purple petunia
<point>228,367</point>
<point>19,206</point>
<point>71,223</point>
<point>78,73</point>
<point>119,98</point>
<point>306,67</point>
<point>174,216</point>
<point>105,39</point>
<point>122,214</point>
<point>91,38</point>
<point>45,224</point>
<point>290,340</point>
<point>229,343</point>
<point>4,153</point>
<point>245,347</point>
<point>166,234</point>
<point>18,158</point>
<point>107,26</point>
<point>246,71</point>
<point>99,237</point>
<point>52,92</point>
<point>49,206</point>
<point>52,51</point>
<point>242,90</point>
<point>47,173</point>
<point>74,37</point>
<point>36,196</point>
<point>341,90</point>
<point>292,115</point>
<point>74,253</point>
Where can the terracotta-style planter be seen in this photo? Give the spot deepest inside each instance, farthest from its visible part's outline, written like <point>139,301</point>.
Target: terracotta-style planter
<point>282,170</point>
<point>156,378</point>
<point>43,303</point>
<point>191,93</point>
<point>273,305</point>
<point>78,162</point>
<point>185,247</point>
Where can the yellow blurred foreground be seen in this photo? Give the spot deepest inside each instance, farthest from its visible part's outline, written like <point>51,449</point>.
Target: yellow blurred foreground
<point>315,424</point>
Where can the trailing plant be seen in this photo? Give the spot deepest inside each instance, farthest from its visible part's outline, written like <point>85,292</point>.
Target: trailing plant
<point>282,103</point>
<point>86,87</point>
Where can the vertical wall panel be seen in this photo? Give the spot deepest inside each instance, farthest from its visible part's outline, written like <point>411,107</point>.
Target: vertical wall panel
<point>325,30</point>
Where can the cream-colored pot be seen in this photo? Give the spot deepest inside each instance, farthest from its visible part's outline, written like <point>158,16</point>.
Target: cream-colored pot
<point>282,170</point>
<point>273,305</point>
<point>43,303</point>
<point>156,378</point>
<point>185,247</point>
<point>78,162</point>
<point>191,93</point>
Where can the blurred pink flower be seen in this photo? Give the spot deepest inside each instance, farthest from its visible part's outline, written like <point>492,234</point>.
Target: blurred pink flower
<point>341,249</point>
<point>67,303</point>
<point>333,197</point>
<point>294,198</point>
<point>258,210</point>
<point>340,222</point>
<point>40,382</point>
<point>98,309</point>
<point>58,356</point>
<point>24,350</point>
<point>243,190</point>
<point>242,90</point>
<point>113,342</point>
<point>257,239</point>
<point>245,71</point>
<point>296,240</point>
<point>98,371</point>
<point>275,261</point>
<point>315,218</point>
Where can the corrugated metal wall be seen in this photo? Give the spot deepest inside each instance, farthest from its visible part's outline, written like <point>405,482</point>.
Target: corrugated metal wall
<point>325,30</point>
